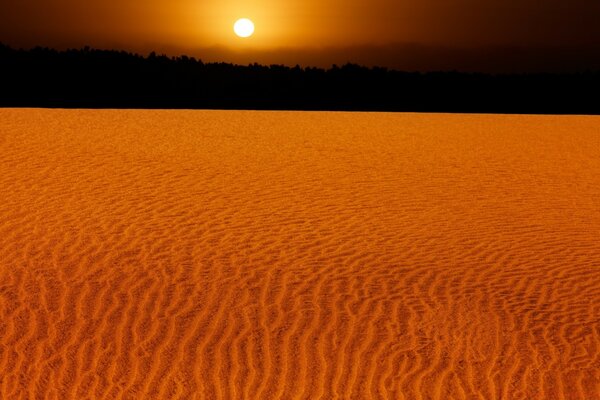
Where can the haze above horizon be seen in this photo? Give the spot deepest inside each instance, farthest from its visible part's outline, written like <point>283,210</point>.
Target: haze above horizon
<point>469,35</point>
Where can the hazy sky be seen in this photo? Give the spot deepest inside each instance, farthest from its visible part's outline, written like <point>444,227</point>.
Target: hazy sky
<point>410,34</point>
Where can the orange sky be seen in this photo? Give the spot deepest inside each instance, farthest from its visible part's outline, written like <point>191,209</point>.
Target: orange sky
<point>308,31</point>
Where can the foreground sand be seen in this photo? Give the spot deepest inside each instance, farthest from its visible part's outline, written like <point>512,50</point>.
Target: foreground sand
<point>280,255</point>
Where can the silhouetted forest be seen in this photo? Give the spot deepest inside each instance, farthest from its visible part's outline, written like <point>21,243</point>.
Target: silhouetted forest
<point>90,78</point>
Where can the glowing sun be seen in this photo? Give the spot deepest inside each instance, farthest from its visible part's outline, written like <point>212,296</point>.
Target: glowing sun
<point>243,27</point>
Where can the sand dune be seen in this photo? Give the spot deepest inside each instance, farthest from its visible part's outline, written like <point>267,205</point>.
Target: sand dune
<point>283,255</point>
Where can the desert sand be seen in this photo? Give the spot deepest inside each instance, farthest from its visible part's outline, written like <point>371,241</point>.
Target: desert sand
<point>290,255</point>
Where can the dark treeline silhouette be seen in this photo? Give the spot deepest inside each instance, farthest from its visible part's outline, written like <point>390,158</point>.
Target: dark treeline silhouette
<point>89,78</point>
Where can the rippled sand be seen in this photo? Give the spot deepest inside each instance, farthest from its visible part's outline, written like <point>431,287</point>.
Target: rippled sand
<point>283,255</point>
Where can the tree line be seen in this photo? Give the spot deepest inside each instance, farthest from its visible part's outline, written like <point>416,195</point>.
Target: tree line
<point>91,78</point>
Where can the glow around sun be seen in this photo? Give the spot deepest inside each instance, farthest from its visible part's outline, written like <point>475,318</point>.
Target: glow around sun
<point>243,27</point>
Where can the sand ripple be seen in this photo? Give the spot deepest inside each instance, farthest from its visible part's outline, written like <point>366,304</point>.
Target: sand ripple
<point>281,255</point>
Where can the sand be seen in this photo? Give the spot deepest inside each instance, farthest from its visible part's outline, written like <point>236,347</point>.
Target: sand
<point>285,255</point>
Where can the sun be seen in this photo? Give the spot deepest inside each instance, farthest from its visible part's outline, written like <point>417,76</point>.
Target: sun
<point>243,27</point>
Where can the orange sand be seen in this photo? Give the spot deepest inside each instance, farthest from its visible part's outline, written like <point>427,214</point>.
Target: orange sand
<point>283,255</point>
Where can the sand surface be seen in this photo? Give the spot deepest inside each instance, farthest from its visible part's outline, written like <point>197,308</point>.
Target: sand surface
<point>283,255</point>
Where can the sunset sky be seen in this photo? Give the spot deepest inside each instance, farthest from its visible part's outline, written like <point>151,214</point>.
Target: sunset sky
<point>408,34</point>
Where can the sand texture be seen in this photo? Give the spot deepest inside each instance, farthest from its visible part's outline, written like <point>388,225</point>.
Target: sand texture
<point>285,255</point>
